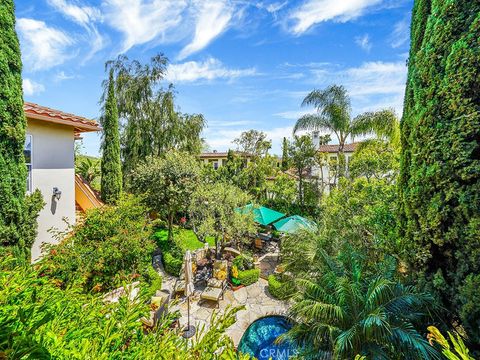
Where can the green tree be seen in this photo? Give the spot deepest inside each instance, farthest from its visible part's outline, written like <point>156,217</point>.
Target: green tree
<point>253,142</point>
<point>88,168</point>
<point>111,166</point>
<point>213,213</point>
<point>167,183</point>
<point>440,179</point>
<point>342,310</point>
<point>334,115</point>
<point>375,159</point>
<point>17,213</point>
<point>301,152</point>
<point>152,125</point>
<point>285,159</point>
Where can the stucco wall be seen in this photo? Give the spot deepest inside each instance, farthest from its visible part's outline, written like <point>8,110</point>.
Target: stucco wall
<point>52,166</point>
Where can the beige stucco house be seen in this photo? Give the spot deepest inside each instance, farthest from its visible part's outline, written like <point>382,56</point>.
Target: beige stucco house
<point>49,153</point>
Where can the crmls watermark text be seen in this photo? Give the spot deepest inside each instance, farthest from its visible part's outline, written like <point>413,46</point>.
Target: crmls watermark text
<point>282,354</point>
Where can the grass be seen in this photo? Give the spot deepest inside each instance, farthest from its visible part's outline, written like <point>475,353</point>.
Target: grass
<point>185,239</point>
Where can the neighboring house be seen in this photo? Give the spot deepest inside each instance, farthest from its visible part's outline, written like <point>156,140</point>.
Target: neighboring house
<point>218,159</point>
<point>327,171</point>
<point>49,154</point>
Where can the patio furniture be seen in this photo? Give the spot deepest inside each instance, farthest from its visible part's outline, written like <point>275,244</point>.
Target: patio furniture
<point>217,284</point>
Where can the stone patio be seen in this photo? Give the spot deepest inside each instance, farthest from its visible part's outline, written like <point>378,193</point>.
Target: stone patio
<point>256,299</point>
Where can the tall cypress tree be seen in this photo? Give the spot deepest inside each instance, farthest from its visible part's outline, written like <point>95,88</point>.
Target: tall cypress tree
<point>285,158</point>
<point>111,183</point>
<point>12,131</point>
<point>440,166</point>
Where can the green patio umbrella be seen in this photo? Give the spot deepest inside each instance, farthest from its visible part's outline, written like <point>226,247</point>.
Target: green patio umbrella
<point>294,223</point>
<point>262,215</point>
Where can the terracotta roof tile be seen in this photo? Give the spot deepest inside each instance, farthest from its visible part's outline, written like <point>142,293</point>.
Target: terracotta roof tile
<point>334,148</point>
<point>35,111</point>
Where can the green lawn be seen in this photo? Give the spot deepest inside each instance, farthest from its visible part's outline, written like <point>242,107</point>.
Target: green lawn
<point>185,239</point>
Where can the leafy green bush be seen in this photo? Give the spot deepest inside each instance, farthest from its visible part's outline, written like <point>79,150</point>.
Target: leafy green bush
<point>248,277</point>
<point>39,320</point>
<point>112,246</point>
<point>243,262</point>
<point>173,265</point>
<point>280,288</point>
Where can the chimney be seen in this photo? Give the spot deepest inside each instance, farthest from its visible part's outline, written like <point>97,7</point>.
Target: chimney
<point>316,139</point>
<point>215,151</point>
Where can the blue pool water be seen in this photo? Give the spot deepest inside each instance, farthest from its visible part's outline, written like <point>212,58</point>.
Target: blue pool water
<point>259,339</point>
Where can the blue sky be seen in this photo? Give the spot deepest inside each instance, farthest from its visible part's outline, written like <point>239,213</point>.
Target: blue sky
<point>243,64</point>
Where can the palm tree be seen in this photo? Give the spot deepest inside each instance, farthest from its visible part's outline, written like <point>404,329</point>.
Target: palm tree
<point>345,312</point>
<point>334,115</point>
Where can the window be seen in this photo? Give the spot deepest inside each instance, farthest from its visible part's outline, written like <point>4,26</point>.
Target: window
<point>215,165</point>
<point>27,151</point>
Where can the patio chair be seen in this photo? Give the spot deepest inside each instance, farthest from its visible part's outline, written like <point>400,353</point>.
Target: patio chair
<point>217,284</point>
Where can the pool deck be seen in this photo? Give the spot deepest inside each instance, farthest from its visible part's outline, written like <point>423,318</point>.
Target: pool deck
<point>255,298</point>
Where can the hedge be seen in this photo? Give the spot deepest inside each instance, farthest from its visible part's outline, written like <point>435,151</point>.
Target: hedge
<point>172,264</point>
<point>248,277</point>
<point>280,289</point>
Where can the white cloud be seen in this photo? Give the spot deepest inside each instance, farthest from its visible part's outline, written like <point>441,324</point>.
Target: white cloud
<point>209,69</point>
<point>364,42</point>
<point>212,18</point>
<point>313,12</point>
<point>42,46</point>
<point>86,16</point>
<point>401,33</point>
<point>83,15</point>
<point>293,114</point>
<point>142,21</point>
<point>61,76</point>
<point>31,87</point>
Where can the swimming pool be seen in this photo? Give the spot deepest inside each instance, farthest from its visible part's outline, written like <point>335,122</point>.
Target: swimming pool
<point>259,339</point>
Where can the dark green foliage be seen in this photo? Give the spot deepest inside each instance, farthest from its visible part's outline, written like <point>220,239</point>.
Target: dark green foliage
<point>343,310</point>
<point>279,287</point>
<point>285,158</point>
<point>173,265</point>
<point>113,245</point>
<point>248,277</point>
<point>440,165</point>
<point>17,215</point>
<point>111,166</point>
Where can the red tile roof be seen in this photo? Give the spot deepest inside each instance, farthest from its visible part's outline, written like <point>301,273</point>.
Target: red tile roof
<point>38,112</point>
<point>334,148</point>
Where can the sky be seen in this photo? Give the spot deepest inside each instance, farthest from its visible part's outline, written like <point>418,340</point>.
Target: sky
<point>242,64</point>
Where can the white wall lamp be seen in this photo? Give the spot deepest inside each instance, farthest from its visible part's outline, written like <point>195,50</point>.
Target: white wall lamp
<point>57,193</point>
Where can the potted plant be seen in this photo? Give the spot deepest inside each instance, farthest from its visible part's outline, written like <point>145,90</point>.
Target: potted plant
<point>234,282</point>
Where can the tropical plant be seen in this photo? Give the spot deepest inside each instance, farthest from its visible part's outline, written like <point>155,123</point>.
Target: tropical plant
<point>152,124</point>
<point>17,214</point>
<point>439,180</point>
<point>88,168</point>
<point>167,183</point>
<point>341,311</point>
<point>111,166</point>
<point>334,115</point>
<point>459,350</point>
<point>214,212</point>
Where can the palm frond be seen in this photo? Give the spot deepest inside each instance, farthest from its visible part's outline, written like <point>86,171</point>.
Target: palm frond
<point>406,339</point>
<point>384,124</point>
<point>312,122</point>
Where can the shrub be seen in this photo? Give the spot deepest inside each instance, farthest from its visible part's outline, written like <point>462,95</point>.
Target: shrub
<point>242,262</point>
<point>248,277</point>
<point>173,265</point>
<point>279,287</point>
<point>111,247</point>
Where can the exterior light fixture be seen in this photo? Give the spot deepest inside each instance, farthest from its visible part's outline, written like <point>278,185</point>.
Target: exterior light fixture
<point>57,193</point>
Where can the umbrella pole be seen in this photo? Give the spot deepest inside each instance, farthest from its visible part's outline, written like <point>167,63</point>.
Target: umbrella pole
<point>188,313</point>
